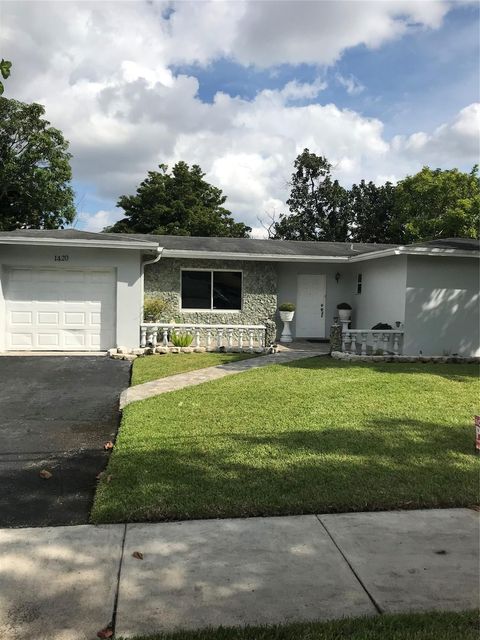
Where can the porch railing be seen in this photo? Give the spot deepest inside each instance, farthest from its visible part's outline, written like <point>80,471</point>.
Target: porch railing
<point>372,342</point>
<point>243,337</point>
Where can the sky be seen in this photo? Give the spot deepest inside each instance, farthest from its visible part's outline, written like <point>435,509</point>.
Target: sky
<point>241,87</point>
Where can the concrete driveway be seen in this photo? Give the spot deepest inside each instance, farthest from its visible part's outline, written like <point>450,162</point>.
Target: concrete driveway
<point>56,412</point>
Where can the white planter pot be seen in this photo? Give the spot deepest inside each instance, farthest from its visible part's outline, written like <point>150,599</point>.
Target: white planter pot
<point>344,314</point>
<point>287,316</point>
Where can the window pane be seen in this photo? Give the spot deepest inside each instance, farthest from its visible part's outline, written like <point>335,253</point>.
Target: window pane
<point>227,290</point>
<point>196,289</point>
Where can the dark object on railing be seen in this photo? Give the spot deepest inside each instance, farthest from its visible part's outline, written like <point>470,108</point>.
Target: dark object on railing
<point>382,326</point>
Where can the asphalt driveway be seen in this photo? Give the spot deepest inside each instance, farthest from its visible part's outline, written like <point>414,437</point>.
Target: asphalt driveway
<point>56,412</point>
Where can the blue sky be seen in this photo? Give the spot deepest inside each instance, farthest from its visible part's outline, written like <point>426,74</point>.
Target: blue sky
<point>381,88</point>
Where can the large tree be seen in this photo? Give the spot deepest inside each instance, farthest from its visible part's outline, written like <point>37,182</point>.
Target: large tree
<point>318,204</point>
<point>35,170</point>
<point>373,214</point>
<point>437,203</point>
<point>178,203</point>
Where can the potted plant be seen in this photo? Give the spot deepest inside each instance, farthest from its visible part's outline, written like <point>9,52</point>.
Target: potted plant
<point>344,311</point>
<point>287,311</point>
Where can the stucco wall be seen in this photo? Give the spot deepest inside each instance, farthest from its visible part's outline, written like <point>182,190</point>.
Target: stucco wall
<point>383,292</point>
<point>127,264</point>
<point>259,300</point>
<point>442,306</point>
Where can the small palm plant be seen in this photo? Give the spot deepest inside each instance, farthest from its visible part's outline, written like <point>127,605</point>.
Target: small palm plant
<point>181,339</point>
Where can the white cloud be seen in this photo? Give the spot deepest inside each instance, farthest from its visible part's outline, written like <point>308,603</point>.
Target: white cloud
<point>350,83</point>
<point>459,138</point>
<point>104,72</point>
<point>97,221</point>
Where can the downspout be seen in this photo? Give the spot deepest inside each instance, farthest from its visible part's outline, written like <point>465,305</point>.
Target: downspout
<point>152,261</point>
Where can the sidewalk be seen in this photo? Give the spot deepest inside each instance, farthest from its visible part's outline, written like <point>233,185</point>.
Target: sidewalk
<point>66,583</point>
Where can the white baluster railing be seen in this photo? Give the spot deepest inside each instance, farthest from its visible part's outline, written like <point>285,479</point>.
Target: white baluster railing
<point>245,337</point>
<point>372,341</point>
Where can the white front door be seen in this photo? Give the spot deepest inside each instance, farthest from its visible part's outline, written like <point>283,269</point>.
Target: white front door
<point>60,310</point>
<point>310,313</point>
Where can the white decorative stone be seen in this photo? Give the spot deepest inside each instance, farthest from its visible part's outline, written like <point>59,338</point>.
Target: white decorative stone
<point>199,349</point>
<point>129,356</point>
<point>123,350</point>
<point>112,352</point>
<point>138,352</point>
<point>187,349</point>
<point>174,349</point>
<point>161,350</point>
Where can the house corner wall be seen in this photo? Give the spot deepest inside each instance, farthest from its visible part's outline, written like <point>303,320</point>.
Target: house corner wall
<point>442,306</point>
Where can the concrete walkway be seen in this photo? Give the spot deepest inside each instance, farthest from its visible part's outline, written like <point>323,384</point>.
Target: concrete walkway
<point>198,376</point>
<point>66,583</point>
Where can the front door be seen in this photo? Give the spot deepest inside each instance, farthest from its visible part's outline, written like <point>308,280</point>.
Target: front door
<point>310,313</point>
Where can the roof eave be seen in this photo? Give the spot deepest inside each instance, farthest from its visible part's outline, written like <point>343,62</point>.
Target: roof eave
<point>80,243</point>
<point>416,251</point>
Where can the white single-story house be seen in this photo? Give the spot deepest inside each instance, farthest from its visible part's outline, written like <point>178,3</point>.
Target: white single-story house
<point>69,290</point>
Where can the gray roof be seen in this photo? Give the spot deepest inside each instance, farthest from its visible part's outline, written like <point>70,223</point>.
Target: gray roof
<point>241,245</point>
<point>264,247</point>
<point>463,244</point>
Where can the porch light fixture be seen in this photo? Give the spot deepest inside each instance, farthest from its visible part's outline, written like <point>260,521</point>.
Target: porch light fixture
<point>338,275</point>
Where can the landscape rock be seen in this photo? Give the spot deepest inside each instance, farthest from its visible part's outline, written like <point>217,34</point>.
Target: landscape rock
<point>123,350</point>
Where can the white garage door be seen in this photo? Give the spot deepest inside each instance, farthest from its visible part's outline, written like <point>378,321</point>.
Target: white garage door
<point>60,310</point>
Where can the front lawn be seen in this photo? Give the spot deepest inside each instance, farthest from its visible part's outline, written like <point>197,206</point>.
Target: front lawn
<point>312,436</point>
<point>161,366</point>
<point>413,626</point>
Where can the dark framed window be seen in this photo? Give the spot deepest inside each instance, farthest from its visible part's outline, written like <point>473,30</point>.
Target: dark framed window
<point>211,290</point>
<point>359,283</point>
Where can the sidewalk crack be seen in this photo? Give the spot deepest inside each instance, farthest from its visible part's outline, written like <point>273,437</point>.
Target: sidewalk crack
<point>362,584</point>
<point>117,589</point>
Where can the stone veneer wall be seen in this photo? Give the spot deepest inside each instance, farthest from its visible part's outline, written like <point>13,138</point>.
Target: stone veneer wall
<point>259,302</point>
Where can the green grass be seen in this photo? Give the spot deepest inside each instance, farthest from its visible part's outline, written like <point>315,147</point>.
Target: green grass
<point>161,366</point>
<point>413,626</point>
<point>313,436</point>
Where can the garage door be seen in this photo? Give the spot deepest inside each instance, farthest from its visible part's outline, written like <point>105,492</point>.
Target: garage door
<point>60,310</point>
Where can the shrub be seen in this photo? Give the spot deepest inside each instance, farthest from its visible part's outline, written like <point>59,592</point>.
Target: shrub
<point>344,305</point>
<point>286,306</point>
<point>181,339</point>
<point>154,309</point>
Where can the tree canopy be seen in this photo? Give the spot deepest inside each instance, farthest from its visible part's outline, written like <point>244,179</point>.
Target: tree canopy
<point>5,66</point>
<point>437,203</point>
<point>371,213</point>
<point>318,204</point>
<point>179,202</point>
<point>431,204</point>
<point>35,170</point>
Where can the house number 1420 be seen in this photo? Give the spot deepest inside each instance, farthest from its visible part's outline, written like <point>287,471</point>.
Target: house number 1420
<point>62,258</point>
